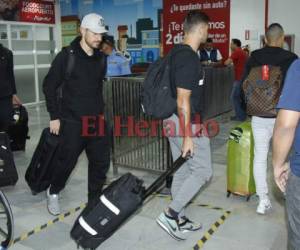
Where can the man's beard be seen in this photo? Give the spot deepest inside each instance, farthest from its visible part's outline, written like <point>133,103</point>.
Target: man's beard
<point>91,44</point>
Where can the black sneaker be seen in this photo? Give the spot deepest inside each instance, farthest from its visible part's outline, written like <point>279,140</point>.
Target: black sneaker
<point>186,225</point>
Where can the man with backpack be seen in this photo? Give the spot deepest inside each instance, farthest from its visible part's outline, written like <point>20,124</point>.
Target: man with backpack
<point>81,96</point>
<point>187,80</point>
<point>262,84</point>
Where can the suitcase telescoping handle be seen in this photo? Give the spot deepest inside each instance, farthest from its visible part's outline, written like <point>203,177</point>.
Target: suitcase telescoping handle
<point>159,181</point>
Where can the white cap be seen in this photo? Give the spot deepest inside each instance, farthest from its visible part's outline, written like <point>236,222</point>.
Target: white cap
<point>94,23</point>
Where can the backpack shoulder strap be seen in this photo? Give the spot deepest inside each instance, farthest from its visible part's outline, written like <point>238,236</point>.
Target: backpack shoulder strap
<point>70,63</point>
<point>69,68</point>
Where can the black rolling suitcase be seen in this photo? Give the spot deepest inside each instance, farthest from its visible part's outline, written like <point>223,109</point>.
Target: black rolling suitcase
<point>38,173</point>
<point>8,172</point>
<point>118,202</point>
<point>18,130</point>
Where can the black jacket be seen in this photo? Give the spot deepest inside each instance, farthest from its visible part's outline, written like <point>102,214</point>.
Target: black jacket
<point>270,56</point>
<point>7,78</point>
<point>82,94</point>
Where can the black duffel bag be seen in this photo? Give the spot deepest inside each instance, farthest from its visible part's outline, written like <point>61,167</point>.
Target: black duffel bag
<point>121,199</point>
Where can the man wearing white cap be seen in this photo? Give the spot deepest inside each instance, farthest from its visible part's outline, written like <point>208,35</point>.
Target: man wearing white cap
<point>80,96</point>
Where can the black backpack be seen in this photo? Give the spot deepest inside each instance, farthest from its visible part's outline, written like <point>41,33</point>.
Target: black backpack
<point>158,97</point>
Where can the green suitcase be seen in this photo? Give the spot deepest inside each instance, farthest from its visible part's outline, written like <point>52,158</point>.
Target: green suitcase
<point>240,154</point>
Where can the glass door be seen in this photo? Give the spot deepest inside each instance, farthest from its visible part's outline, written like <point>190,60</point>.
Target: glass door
<point>22,45</point>
<point>45,52</point>
<point>34,48</point>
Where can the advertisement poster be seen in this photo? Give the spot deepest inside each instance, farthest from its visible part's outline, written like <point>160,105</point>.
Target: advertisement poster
<point>37,11</point>
<point>134,24</point>
<point>33,11</point>
<point>218,11</point>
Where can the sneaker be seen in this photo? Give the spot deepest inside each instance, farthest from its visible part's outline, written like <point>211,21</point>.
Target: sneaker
<point>52,203</point>
<point>170,225</point>
<point>263,206</point>
<point>186,225</point>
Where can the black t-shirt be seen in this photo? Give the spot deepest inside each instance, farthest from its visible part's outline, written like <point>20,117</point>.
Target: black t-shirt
<point>187,73</point>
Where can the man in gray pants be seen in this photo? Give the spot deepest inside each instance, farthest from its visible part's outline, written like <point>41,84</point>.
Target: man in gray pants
<point>188,80</point>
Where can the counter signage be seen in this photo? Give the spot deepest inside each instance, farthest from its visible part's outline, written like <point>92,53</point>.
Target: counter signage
<point>174,12</point>
<point>37,11</point>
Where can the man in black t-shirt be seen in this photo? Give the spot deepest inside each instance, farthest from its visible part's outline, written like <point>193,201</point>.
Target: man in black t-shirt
<point>187,76</point>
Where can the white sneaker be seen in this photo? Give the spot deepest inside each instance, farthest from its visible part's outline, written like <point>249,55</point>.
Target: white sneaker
<point>52,203</point>
<point>170,225</point>
<point>263,206</point>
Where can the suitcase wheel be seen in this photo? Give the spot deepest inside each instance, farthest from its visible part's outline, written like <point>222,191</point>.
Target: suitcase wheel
<point>248,197</point>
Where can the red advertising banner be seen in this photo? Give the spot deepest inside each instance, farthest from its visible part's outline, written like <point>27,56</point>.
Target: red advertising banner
<point>35,11</point>
<point>174,12</point>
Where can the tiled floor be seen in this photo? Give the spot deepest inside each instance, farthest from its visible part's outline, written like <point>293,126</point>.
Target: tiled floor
<point>243,230</point>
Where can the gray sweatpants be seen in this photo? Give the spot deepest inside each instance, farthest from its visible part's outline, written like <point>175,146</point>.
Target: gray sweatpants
<point>188,180</point>
<point>293,211</point>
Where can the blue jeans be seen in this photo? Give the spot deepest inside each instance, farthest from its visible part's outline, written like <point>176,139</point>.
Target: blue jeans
<point>236,101</point>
